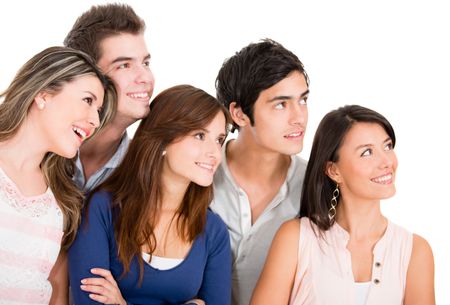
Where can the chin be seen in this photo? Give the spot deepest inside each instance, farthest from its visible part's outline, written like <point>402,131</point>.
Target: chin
<point>68,154</point>
<point>203,183</point>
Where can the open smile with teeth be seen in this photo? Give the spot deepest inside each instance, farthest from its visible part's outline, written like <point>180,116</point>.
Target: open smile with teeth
<point>294,135</point>
<point>386,179</point>
<point>139,95</point>
<point>80,133</point>
<point>206,166</point>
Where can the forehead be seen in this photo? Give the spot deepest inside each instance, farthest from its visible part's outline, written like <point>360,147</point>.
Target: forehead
<point>122,45</point>
<point>85,83</point>
<point>362,133</point>
<point>293,85</point>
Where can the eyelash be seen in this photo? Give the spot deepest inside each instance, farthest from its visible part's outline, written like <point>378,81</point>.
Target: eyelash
<point>88,100</point>
<point>280,105</point>
<point>123,66</point>
<point>365,151</point>
<point>388,146</point>
<point>200,135</point>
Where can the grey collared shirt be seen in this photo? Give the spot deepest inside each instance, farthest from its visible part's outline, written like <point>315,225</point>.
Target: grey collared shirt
<point>250,243</point>
<point>104,172</point>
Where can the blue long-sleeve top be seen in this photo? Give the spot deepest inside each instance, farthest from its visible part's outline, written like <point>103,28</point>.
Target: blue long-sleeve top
<point>205,272</point>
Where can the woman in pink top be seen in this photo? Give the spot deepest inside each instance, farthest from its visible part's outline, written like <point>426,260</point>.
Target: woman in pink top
<point>342,250</point>
<point>53,104</point>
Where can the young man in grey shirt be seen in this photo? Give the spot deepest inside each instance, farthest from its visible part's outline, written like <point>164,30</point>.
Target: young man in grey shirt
<point>258,184</point>
<point>113,35</point>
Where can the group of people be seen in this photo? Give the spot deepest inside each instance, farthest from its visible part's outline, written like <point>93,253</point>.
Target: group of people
<point>179,214</point>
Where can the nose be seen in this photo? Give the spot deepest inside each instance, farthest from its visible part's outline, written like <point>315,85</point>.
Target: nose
<point>298,115</point>
<point>387,159</point>
<point>145,76</point>
<point>214,152</point>
<point>94,118</point>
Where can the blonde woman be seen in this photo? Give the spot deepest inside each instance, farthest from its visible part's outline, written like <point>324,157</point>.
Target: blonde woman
<point>56,101</point>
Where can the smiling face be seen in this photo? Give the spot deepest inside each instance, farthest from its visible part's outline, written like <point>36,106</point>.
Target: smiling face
<point>196,156</point>
<point>367,164</point>
<point>126,60</point>
<point>281,115</point>
<point>70,116</point>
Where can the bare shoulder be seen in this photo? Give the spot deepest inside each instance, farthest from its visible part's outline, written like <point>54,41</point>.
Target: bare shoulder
<point>420,275</point>
<point>421,248</point>
<point>290,230</point>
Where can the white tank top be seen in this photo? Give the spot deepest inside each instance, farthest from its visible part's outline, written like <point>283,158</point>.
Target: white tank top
<point>361,292</point>
<point>162,263</point>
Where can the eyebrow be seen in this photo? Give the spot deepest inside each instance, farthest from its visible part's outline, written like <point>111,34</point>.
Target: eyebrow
<point>286,97</point>
<point>93,95</point>
<point>371,145</point>
<point>208,131</point>
<point>126,58</point>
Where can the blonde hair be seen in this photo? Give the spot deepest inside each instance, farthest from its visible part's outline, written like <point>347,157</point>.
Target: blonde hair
<point>48,71</point>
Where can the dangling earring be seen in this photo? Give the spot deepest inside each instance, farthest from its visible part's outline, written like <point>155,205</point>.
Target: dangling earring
<point>164,153</point>
<point>332,210</point>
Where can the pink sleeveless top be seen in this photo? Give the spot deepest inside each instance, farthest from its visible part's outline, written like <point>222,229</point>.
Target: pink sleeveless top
<point>31,229</point>
<point>324,275</point>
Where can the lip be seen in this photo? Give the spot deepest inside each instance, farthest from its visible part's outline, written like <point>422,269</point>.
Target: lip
<point>295,135</point>
<point>384,179</point>
<point>139,95</point>
<point>81,133</point>
<point>206,166</point>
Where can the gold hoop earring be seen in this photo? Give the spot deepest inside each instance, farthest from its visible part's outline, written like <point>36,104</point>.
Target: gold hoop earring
<point>332,210</point>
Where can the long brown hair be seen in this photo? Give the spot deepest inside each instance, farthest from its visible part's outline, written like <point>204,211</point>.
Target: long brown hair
<point>136,185</point>
<point>48,71</point>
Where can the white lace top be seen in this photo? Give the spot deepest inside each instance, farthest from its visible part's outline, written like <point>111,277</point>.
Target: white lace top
<point>31,229</point>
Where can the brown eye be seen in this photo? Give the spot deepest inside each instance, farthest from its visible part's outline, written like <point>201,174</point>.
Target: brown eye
<point>200,136</point>
<point>88,100</point>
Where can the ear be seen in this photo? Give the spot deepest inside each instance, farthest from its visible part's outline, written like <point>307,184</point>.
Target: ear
<point>41,99</point>
<point>238,116</point>
<point>332,171</point>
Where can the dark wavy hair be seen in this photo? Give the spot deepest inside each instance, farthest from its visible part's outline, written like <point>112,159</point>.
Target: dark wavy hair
<point>253,69</point>
<point>318,187</point>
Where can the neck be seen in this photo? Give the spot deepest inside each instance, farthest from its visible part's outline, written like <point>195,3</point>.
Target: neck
<point>254,162</point>
<point>362,219</point>
<point>103,145</point>
<point>25,150</point>
<point>172,194</point>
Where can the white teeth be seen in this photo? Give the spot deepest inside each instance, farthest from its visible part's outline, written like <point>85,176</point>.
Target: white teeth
<point>205,165</point>
<point>294,134</point>
<point>382,179</point>
<point>139,95</point>
<point>80,132</point>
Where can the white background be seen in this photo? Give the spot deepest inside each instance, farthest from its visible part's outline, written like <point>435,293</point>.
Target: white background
<point>391,56</point>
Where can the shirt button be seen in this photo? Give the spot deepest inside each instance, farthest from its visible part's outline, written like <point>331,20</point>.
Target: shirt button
<point>376,281</point>
<point>377,264</point>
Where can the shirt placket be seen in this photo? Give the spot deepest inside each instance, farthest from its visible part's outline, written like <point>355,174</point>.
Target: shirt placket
<point>245,222</point>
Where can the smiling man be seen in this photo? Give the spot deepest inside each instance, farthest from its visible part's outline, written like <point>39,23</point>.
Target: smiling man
<point>114,36</point>
<point>258,184</point>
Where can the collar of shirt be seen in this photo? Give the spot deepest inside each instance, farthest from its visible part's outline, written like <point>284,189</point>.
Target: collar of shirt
<point>102,173</point>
